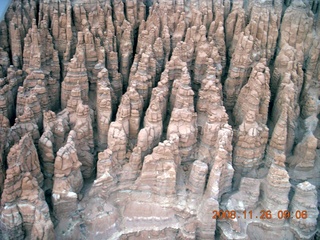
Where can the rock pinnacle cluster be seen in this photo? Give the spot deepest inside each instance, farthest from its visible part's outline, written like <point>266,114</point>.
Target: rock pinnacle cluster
<point>160,119</point>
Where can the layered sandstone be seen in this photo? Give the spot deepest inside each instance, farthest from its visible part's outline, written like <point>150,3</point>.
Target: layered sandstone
<point>140,119</point>
<point>25,212</point>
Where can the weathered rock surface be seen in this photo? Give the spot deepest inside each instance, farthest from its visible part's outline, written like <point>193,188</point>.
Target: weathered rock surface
<point>67,181</point>
<point>159,170</point>
<point>305,197</point>
<point>24,211</point>
<point>132,119</point>
<point>4,130</point>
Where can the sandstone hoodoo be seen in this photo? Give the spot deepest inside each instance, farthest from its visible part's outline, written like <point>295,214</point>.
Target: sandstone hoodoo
<point>160,119</point>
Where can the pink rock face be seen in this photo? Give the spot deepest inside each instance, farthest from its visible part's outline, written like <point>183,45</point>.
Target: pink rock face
<point>8,92</point>
<point>4,130</point>
<point>84,140</point>
<point>24,124</point>
<point>235,24</point>
<point>41,62</point>
<point>104,110</point>
<point>77,74</point>
<point>165,119</point>
<point>158,173</point>
<point>23,205</point>
<point>251,139</point>
<point>67,181</point>
<point>255,95</point>
<point>305,190</point>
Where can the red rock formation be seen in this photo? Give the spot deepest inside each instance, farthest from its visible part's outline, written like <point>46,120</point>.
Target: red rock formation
<point>24,211</point>
<point>9,90</point>
<point>158,174</point>
<point>235,24</point>
<point>20,16</point>
<point>181,108</point>
<point>305,197</point>
<point>129,112</point>
<point>244,55</point>
<point>296,14</point>
<point>183,124</point>
<point>252,135</point>
<point>4,130</point>
<point>105,100</point>
<point>84,140</point>
<point>250,142</point>
<point>197,179</point>
<point>52,139</point>
<point>24,124</point>
<point>106,174</point>
<point>210,97</point>
<point>255,95</point>
<point>68,179</point>
<point>77,74</point>
<point>118,140</point>
<point>41,62</point>
<point>277,177</point>
<point>62,28</point>
<point>143,78</point>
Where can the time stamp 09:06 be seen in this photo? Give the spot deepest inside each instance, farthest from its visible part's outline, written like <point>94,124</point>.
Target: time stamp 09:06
<point>264,214</point>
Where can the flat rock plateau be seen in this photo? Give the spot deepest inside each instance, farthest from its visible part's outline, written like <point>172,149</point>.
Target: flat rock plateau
<point>146,119</point>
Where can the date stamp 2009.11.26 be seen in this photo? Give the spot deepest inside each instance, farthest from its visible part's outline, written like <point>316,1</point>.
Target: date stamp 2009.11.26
<point>264,214</point>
